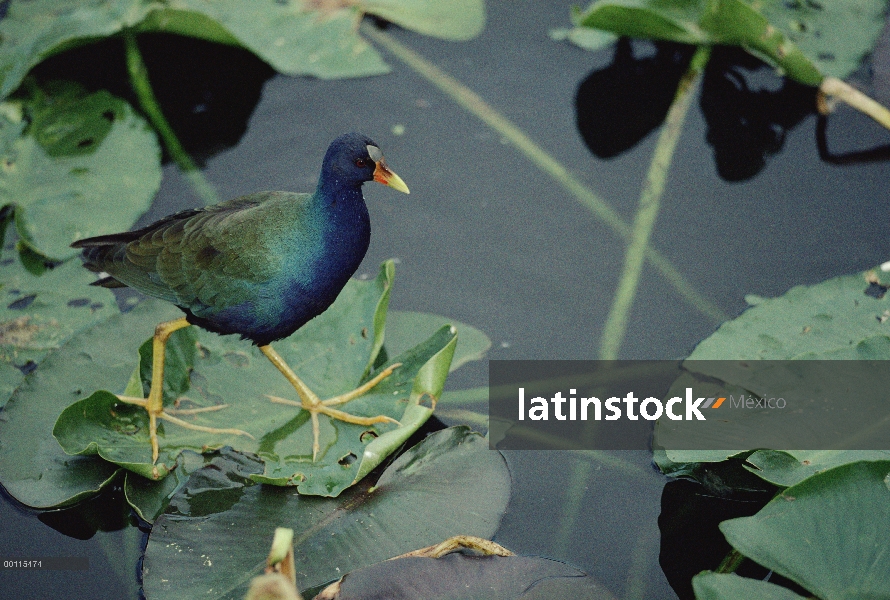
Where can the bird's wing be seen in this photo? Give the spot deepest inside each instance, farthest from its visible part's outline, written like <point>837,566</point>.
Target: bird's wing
<point>197,258</point>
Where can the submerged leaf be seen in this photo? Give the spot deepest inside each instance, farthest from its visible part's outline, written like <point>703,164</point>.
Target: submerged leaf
<point>459,575</point>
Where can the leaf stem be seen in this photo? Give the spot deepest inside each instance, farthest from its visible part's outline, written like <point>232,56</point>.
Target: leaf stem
<point>841,90</point>
<point>602,210</point>
<point>149,104</point>
<point>731,562</point>
<point>650,203</point>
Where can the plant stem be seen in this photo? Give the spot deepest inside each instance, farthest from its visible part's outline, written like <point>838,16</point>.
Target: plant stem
<point>650,203</point>
<point>149,104</point>
<point>836,88</point>
<point>731,562</point>
<point>472,103</point>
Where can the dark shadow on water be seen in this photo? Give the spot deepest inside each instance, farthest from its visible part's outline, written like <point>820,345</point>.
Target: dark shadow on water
<point>107,511</point>
<point>691,513</point>
<point>616,107</point>
<point>207,91</point>
<point>747,107</point>
<point>749,110</point>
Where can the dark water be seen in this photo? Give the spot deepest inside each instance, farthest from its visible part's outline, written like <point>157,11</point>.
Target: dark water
<point>488,239</point>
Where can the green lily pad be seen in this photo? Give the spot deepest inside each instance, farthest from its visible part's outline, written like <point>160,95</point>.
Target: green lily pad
<point>333,354</point>
<point>292,37</point>
<point>807,40</point>
<point>82,155</point>
<point>845,318</point>
<point>456,576</point>
<point>214,538</point>
<point>404,330</point>
<point>828,533</point>
<point>407,329</point>
<point>790,467</point>
<point>41,313</point>
<point>450,20</point>
<point>729,586</point>
<point>309,37</point>
<point>37,316</point>
<point>33,467</point>
<point>31,31</point>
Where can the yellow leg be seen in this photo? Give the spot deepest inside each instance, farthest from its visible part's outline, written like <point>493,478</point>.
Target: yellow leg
<point>154,404</point>
<point>310,402</point>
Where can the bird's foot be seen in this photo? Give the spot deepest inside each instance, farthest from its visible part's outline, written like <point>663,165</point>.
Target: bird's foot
<point>315,406</point>
<point>167,415</point>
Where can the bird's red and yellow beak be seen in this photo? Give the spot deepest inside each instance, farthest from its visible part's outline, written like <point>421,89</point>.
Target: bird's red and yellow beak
<point>383,175</point>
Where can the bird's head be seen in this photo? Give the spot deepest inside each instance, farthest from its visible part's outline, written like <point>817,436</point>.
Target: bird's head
<point>354,158</point>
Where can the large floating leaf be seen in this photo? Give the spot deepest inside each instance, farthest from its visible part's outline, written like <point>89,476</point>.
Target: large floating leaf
<point>30,31</point>
<point>332,353</point>
<point>33,467</point>
<point>451,19</point>
<point>789,467</point>
<point>215,535</point>
<point>308,37</point>
<point>828,533</point>
<point>404,330</point>
<point>845,318</point>
<point>457,576</point>
<point>38,314</point>
<point>808,40</point>
<point>729,586</point>
<point>41,313</point>
<point>292,37</point>
<point>86,165</point>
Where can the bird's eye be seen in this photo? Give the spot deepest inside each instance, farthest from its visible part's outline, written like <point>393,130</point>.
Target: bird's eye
<point>360,163</point>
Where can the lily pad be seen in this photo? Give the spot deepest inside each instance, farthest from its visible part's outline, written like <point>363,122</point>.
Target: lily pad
<point>790,467</point>
<point>729,586</point>
<point>828,533</point>
<point>211,542</point>
<point>845,318</point>
<point>406,329</point>
<point>83,155</point>
<point>807,40</point>
<point>42,313</point>
<point>457,576</point>
<point>33,467</point>
<point>333,354</point>
<point>303,37</point>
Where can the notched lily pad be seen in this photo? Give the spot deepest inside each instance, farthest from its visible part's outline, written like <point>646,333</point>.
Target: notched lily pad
<point>208,546</point>
<point>330,353</point>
